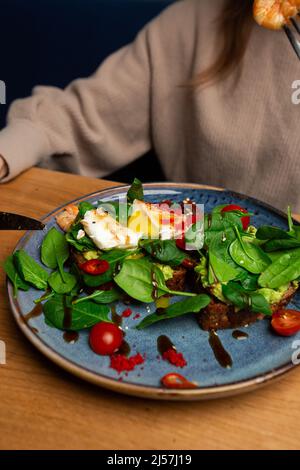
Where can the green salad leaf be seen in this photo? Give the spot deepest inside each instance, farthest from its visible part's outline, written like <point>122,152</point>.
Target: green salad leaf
<point>62,285</point>
<point>248,255</point>
<point>101,297</point>
<point>83,315</point>
<point>30,271</point>
<point>243,299</point>
<point>164,251</point>
<point>14,276</point>
<point>283,270</point>
<point>191,305</point>
<point>143,281</point>
<point>135,191</point>
<point>55,251</point>
<point>115,258</point>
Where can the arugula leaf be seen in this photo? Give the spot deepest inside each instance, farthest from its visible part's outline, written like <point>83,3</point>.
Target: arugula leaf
<point>242,299</point>
<point>62,285</point>
<point>283,270</point>
<point>140,279</point>
<point>191,305</point>
<point>101,297</point>
<point>83,315</point>
<point>55,251</point>
<point>165,251</point>
<point>14,276</point>
<point>135,191</point>
<point>30,270</point>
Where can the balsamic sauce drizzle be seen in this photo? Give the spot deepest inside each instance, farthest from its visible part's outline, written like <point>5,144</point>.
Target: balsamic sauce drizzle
<point>222,356</point>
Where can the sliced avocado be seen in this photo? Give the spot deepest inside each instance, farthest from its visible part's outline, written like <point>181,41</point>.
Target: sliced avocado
<point>167,271</point>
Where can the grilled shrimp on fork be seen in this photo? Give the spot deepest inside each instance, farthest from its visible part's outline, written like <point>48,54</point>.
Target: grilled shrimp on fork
<point>279,14</point>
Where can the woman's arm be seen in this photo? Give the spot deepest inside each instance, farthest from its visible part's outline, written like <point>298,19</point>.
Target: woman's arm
<point>94,126</point>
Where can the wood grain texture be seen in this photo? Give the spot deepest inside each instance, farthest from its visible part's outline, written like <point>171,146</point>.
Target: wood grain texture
<point>43,407</point>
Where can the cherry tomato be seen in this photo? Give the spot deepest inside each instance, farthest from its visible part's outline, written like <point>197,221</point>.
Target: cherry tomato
<point>286,322</point>
<point>95,266</point>
<point>188,263</point>
<point>106,338</point>
<point>176,381</point>
<point>180,243</point>
<point>232,207</point>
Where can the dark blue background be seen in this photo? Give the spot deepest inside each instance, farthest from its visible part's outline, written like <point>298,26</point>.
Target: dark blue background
<point>51,42</point>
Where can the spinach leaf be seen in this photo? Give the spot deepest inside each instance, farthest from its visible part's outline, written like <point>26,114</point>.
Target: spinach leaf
<point>140,279</point>
<point>282,271</point>
<point>242,299</point>
<point>136,279</point>
<point>84,207</point>
<point>101,297</point>
<point>192,305</point>
<point>278,239</point>
<point>14,276</point>
<point>281,244</point>
<point>83,315</point>
<point>221,271</point>
<point>248,255</point>
<point>194,236</point>
<point>62,285</point>
<point>30,270</point>
<point>248,281</point>
<point>117,209</point>
<point>115,258</point>
<point>84,243</point>
<point>165,251</point>
<point>267,232</point>
<point>222,268</point>
<point>221,225</point>
<point>135,191</point>
<point>55,251</point>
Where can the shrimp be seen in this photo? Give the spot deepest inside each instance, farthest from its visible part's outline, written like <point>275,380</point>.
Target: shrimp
<point>66,218</point>
<point>274,14</point>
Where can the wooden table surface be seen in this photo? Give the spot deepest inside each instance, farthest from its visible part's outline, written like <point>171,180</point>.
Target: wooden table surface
<point>43,407</point>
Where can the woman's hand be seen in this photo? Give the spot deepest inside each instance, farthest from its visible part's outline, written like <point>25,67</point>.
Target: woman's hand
<point>3,168</point>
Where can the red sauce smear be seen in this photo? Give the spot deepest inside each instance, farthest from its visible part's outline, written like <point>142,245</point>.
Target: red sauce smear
<point>174,358</point>
<point>138,315</point>
<point>127,313</point>
<point>121,363</point>
<point>177,381</point>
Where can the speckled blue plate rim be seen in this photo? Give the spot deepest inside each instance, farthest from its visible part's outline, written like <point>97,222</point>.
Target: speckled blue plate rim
<point>144,391</point>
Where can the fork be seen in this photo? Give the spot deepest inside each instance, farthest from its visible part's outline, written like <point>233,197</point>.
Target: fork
<point>295,42</point>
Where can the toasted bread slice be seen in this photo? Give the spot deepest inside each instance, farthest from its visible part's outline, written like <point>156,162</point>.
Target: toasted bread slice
<point>220,316</point>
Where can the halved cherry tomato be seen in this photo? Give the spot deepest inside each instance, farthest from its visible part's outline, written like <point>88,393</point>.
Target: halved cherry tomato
<point>180,243</point>
<point>232,207</point>
<point>188,263</point>
<point>176,381</point>
<point>106,338</point>
<point>95,266</point>
<point>286,322</point>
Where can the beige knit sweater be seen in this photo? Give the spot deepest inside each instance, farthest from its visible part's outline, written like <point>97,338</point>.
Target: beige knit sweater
<point>244,137</point>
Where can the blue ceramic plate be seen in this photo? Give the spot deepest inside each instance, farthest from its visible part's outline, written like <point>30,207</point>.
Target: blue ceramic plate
<point>257,360</point>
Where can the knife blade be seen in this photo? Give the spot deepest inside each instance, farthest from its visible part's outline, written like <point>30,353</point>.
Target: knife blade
<point>9,221</point>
